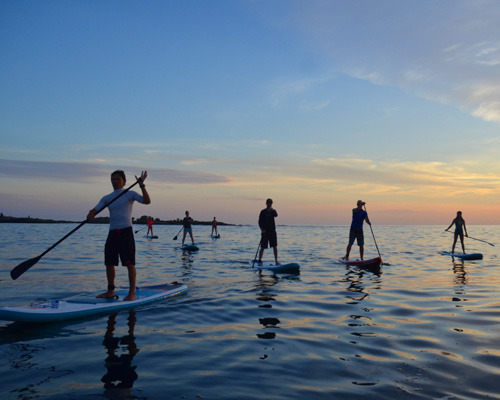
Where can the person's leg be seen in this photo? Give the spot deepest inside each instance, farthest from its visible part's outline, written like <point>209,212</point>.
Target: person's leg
<point>110,276</point>
<point>347,251</point>
<point>261,253</point>
<point>361,251</point>
<point>352,236</point>
<point>192,238</point>
<point>454,242</point>
<point>462,241</point>
<point>183,237</point>
<point>132,275</point>
<point>275,249</point>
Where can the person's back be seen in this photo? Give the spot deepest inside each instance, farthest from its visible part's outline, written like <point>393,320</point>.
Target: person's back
<point>266,220</point>
<point>358,216</point>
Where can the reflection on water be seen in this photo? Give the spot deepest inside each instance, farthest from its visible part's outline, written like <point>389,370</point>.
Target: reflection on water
<point>460,273</point>
<point>120,373</point>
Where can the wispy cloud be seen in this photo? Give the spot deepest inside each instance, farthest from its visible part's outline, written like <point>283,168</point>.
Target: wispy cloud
<point>77,171</point>
<point>444,51</point>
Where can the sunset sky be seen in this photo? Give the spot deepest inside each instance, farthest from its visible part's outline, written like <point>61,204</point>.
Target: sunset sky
<point>225,103</point>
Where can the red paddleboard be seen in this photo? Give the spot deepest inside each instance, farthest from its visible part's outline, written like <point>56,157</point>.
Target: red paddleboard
<point>372,262</point>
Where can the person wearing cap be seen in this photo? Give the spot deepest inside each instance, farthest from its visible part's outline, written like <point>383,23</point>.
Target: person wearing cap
<point>268,230</point>
<point>356,231</point>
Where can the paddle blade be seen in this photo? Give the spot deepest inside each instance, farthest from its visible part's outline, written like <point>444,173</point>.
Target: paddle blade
<point>175,238</point>
<point>23,267</point>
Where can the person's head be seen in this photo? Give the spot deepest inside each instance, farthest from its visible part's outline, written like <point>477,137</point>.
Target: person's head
<point>269,202</point>
<point>459,214</point>
<point>118,179</point>
<point>360,203</point>
<point>187,213</point>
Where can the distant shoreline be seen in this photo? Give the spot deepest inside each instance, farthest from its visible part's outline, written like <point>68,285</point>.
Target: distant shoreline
<point>99,220</point>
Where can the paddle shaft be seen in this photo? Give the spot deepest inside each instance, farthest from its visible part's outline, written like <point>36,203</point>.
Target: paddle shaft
<point>378,251</point>
<point>140,229</point>
<point>255,258</point>
<point>479,240</point>
<point>175,237</point>
<point>24,266</point>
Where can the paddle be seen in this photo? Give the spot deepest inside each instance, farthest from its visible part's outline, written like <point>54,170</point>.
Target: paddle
<point>140,229</point>
<point>479,240</point>
<point>175,237</point>
<point>26,265</point>
<point>255,258</point>
<point>378,251</point>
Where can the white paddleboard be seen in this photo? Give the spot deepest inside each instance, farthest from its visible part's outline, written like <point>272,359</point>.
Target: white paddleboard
<point>61,310</point>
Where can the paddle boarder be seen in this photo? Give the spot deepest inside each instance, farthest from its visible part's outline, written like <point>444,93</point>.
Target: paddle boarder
<point>460,227</point>
<point>356,232</point>
<point>214,227</point>
<point>268,231</point>
<point>120,242</point>
<point>150,226</point>
<point>186,223</point>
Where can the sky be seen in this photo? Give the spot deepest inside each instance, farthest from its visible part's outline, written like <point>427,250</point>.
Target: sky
<point>225,103</point>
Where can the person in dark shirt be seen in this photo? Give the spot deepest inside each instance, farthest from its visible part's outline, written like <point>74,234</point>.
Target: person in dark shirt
<point>459,223</point>
<point>356,232</point>
<point>186,222</point>
<point>268,230</point>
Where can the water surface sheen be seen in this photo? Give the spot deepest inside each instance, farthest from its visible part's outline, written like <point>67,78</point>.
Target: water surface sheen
<point>425,327</point>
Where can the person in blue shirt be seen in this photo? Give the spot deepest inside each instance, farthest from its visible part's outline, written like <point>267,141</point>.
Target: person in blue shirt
<point>356,232</point>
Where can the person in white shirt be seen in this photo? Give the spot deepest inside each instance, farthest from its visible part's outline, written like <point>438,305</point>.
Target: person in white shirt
<point>120,242</point>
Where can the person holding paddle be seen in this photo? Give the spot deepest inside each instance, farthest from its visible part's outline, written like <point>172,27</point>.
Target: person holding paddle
<point>268,230</point>
<point>356,232</point>
<point>120,242</point>
<point>150,223</point>
<point>459,230</point>
<point>186,223</point>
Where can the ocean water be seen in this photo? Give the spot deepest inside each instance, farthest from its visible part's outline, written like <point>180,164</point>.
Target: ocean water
<point>425,327</point>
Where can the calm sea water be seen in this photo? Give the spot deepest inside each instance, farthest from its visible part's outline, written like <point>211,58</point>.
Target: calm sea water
<point>424,328</point>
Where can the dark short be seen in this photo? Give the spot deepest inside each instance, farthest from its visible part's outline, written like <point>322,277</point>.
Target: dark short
<point>120,243</point>
<point>268,239</point>
<point>356,234</point>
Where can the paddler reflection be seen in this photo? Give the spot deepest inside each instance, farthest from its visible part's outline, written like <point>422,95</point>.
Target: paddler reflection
<point>120,375</point>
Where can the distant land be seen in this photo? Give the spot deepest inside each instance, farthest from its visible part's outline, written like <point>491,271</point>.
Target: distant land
<point>99,220</point>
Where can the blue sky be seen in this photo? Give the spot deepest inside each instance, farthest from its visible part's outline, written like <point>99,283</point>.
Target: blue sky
<point>226,103</point>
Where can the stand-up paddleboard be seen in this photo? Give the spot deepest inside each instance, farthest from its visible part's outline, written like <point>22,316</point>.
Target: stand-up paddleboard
<point>215,236</point>
<point>371,263</point>
<point>290,268</point>
<point>190,247</point>
<point>464,256</point>
<point>151,236</point>
<point>61,310</point>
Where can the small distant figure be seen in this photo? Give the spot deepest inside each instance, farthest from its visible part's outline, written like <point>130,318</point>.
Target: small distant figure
<point>186,222</point>
<point>356,232</point>
<point>459,230</point>
<point>268,230</point>
<point>150,227</point>
<point>214,227</point>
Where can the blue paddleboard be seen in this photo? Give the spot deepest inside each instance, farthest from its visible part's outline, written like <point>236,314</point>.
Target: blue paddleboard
<point>290,268</point>
<point>190,247</point>
<point>62,310</point>
<point>151,237</point>
<point>464,256</point>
